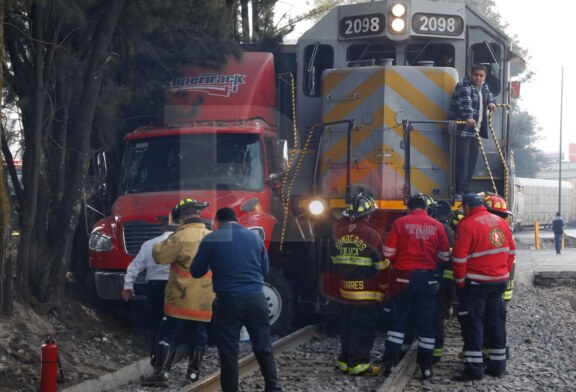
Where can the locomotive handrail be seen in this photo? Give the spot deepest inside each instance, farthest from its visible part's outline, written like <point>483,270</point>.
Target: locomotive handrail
<point>407,126</point>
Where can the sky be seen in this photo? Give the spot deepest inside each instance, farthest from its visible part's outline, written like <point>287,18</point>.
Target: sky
<point>552,53</point>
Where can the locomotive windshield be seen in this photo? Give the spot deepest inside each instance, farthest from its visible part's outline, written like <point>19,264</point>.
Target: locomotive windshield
<point>193,162</point>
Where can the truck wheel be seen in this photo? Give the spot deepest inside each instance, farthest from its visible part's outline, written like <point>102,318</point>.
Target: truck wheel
<point>280,297</point>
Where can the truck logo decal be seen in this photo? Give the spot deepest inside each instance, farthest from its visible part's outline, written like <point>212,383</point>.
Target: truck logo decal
<point>209,83</point>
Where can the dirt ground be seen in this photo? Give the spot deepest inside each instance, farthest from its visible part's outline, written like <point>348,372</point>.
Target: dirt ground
<point>90,343</point>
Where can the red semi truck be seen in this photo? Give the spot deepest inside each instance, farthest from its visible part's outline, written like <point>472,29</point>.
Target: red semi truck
<point>218,144</point>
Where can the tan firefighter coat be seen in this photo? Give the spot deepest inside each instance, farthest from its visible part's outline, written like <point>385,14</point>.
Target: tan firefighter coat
<point>185,297</point>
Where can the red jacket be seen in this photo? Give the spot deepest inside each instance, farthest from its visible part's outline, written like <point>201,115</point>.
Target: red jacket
<point>416,242</point>
<point>484,248</point>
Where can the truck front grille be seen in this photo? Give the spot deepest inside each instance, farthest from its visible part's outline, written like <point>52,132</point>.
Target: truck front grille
<point>137,232</point>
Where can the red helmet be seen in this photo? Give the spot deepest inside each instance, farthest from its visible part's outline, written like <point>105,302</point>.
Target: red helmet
<point>496,204</point>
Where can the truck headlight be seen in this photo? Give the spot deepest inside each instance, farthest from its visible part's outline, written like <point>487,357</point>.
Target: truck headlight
<point>100,242</point>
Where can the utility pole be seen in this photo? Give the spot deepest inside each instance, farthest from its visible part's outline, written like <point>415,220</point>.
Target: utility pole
<point>560,146</point>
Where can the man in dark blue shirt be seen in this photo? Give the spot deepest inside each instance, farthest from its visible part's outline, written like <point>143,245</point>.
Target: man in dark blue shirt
<point>239,263</point>
<point>558,229</point>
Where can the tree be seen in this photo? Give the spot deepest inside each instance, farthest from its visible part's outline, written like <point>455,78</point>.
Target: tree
<point>524,136</point>
<point>83,73</point>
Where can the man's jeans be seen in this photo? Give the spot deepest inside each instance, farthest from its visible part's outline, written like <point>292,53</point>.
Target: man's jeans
<point>466,157</point>
<point>230,314</point>
<point>558,241</point>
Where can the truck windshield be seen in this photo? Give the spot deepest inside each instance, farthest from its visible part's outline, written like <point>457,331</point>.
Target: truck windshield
<point>189,162</point>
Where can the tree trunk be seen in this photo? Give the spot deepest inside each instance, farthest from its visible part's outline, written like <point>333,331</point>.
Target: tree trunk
<point>70,206</point>
<point>32,156</point>
<point>245,21</point>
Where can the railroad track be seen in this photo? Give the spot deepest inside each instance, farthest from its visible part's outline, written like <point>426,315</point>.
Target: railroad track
<point>247,364</point>
<point>306,361</point>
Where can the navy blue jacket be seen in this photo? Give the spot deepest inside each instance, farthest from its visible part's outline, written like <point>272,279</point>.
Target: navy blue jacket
<point>558,225</point>
<point>237,258</point>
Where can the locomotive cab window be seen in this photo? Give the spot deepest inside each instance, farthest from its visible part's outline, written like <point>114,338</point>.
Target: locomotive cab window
<point>317,59</point>
<point>441,55</point>
<point>489,54</point>
<point>362,55</point>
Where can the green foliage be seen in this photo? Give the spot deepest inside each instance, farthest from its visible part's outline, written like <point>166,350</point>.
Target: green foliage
<point>524,136</point>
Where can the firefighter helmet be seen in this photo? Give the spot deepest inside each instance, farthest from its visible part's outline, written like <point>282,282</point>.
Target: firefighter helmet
<point>455,218</point>
<point>359,206</point>
<point>497,205</point>
<point>185,205</point>
<point>430,203</point>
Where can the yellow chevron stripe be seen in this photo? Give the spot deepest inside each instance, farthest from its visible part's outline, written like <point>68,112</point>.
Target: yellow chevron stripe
<point>441,79</point>
<point>414,96</point>
<point>365,90</point>
<point>333,79</point>
<point>419,142</point>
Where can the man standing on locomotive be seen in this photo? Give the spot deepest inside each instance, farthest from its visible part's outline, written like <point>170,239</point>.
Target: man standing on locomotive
<point>415,244</point>
<point>358,263</point>
<point>470,101</point>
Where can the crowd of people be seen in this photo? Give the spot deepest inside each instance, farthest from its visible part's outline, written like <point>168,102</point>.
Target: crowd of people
<point>197,278</point>
<point>420,270</point>
<point>401,279</point>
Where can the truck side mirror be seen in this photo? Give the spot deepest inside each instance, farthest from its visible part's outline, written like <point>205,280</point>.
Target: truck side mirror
<point>282,149</point>
<point>101,168</point>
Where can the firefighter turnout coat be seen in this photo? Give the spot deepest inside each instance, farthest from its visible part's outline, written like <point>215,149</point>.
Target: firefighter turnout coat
<point>484,249</point>
<point>358,264</point>
<point>185,297</point>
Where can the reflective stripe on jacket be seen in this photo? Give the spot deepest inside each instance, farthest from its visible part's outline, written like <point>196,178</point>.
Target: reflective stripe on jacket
<point>358,262</point>
<point>484,248</point>
<point>185,297</point>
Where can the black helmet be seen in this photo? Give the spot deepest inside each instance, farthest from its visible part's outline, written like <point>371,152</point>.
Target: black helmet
<point>455,217</point>
<point>359,206</point>
<point>185,205</point>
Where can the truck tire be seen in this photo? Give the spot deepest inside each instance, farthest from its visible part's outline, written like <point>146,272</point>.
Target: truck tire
<point>280,297</point>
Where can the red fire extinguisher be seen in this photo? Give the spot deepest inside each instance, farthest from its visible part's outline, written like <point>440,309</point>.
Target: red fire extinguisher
<point>49,375</point>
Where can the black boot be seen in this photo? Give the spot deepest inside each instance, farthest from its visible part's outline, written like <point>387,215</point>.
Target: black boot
<point>193,373</point>
<point>268,369</point>
<point>162,359</point>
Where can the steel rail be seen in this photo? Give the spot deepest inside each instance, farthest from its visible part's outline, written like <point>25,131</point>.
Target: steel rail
<point>248,364</point>
<point>401,373</point>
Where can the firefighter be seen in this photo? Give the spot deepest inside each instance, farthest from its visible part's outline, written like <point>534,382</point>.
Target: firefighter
<point>358,263</point>
<point>445,285</point>
<point>187,301</point>
<point>415,244</point>
<point>482,259</point>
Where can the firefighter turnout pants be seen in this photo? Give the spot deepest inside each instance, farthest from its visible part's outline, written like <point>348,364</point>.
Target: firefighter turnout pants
<point>358,324</point>
<point>481,312</point>
<point>416,297</point>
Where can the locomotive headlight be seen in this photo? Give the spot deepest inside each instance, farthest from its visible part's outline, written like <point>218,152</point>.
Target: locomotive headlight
<point>398,10</point>
<point>397,17</point>
<point>316,207</point>
<point>398,25</point>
